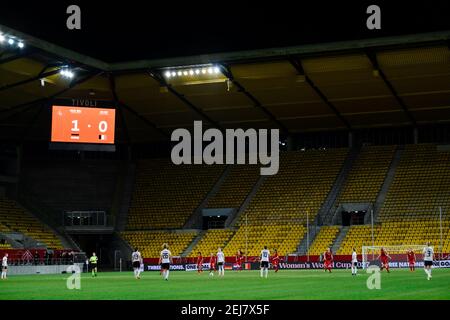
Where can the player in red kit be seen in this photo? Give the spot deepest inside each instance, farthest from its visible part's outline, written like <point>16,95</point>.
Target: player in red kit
<point>242,259</point>
<point>275,261</point>
<point>411,260</point>
<point>199,263</point>
<point>212,265</point>
<point>328,260</point>
<point>384,259</point>
<point>239,259</point>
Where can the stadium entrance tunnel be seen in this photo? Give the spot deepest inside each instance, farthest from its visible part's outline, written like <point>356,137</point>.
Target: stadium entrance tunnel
<point>215,218</point>
<point>353,214</point>
<point>214,222</point>
<point>98,243</point>
<point>350,218</point>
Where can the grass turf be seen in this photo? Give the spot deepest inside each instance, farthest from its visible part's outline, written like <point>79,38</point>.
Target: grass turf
<point>286,284</point>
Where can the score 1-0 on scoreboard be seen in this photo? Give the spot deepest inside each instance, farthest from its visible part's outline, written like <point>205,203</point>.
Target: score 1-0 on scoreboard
<point>83,125</point>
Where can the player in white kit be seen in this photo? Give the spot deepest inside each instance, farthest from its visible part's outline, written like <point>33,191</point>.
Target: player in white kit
<point>4,266</point>
<point>428,254</point>
<point>265,255</point>
<point>220,262</point>
<point>354,262</point>
<point>165,259</point>
<point>136,259</point>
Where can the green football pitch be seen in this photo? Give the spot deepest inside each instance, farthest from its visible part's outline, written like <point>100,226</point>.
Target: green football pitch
<point>286,284</point>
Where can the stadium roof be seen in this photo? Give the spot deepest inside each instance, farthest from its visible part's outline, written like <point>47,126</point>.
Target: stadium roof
<point>390,81</point>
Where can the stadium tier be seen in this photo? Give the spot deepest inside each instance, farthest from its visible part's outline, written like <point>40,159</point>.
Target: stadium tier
<point>323,240</point>
<point>150,242</point>
<point>393,233</point>
<point>251,239</point>
<point>166,195</point>
<point>14,218</point>
<point>300,188</point>
<point>367,175</point>
<point>236,187</point>
<point>421,185</point>
<point>357,236</point>
<point>5,245</point>
<point>211,241</point>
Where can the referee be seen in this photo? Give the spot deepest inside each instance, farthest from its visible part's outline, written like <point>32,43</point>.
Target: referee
<point>93,261</point>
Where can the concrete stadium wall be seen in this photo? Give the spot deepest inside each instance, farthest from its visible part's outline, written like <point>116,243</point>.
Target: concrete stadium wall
<point>53,269</point>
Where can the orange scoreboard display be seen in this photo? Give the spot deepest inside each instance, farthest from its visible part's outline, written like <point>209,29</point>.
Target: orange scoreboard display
<point>83,125</point>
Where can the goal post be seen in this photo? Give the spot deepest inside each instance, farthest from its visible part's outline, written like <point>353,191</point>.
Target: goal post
<point>397,253</point>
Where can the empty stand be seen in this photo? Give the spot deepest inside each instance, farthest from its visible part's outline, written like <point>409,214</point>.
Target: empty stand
<point>150,243</point>
<point>166,195</point>
<point>300,187</point>
<point>412,232</point>
<point>14,218</point>
<point>421,185</point>
<point>323,240</point>
<point>236,187</point>
<point>367,175</point>
<point>252,239</point>
<point>211,241</point>
<point>5,246</point>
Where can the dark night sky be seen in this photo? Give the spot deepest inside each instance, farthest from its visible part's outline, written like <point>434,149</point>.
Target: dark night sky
<point>129,30</point>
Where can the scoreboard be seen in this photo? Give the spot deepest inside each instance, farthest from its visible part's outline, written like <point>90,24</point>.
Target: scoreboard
<point>83,125</point>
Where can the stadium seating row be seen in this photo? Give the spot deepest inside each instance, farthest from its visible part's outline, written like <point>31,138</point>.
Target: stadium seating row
<point>276,216</point>
<point>166,195</point>
<point>298,189</point>
<point>14,218</point>
<point>421,185</point>
<point>251,239</point>
<point>211,241</point>
<point>393,233</point>
<point>5,246</point>
<point>236,187</point>
<point>367,175</point>
<point>324,239</point>
<point>150,243</point>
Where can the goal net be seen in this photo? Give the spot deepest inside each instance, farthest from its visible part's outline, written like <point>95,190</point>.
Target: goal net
<point>397,253</point>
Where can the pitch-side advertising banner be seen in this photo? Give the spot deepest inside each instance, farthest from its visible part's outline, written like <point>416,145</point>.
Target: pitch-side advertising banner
<point>300,265</point>
<point>347,265</point>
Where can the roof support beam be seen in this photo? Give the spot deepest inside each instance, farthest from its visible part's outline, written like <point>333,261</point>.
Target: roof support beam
<point>29,80</point>
<point>298,66</point>
<point>121,105</point>
<point>256,103</point>
<point>156,75</point>
<point>13,57</point>
<point>112,86</point>
<point>373,59</point>
<point>29,104</point>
